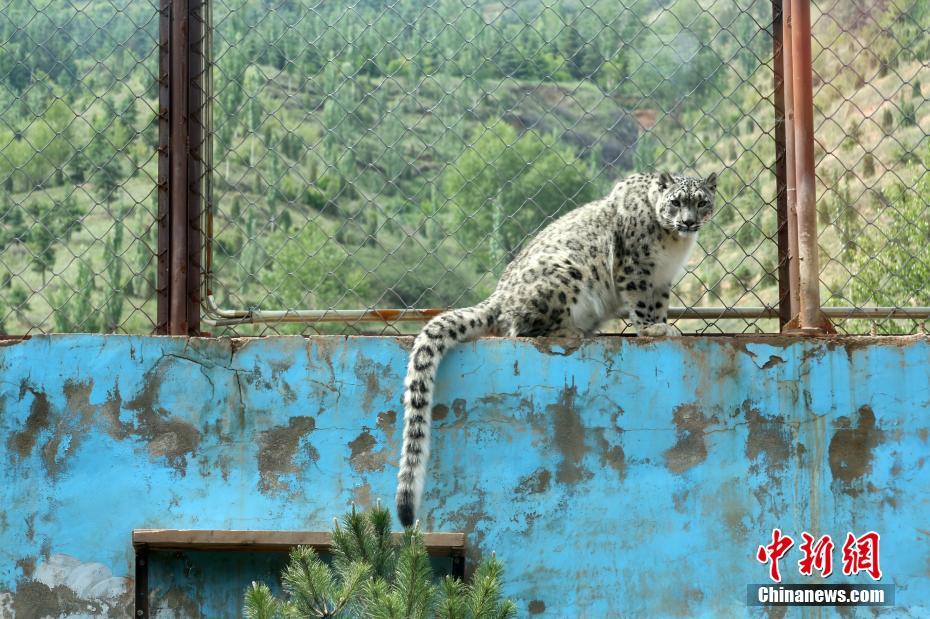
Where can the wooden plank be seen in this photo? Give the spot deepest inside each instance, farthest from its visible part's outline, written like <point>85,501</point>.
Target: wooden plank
<point>437,544</point>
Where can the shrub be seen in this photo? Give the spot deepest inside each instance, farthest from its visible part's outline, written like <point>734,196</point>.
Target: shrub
<point>372,575</point>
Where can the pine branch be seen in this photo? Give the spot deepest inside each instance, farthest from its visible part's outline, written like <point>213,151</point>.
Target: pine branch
<point>349,543</point>
<point>452,599</point>
<point>413,576</point>
<point>353,578</point>
<point>385,549</point>
<point>484,597</point>
<point>309,582</point>
<point>260,603</point>
<point>506,610</point>
<point>376,578</point>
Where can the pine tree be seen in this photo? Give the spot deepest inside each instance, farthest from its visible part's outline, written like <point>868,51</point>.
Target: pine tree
<point>887,120</point>
<point>114,257</point>
<point>374,576</point>
<point>868,165</point>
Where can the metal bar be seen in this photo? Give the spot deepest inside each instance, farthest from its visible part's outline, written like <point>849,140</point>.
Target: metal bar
<point>458,566</point>
<point>802,75</point>
<point>216,316</point>
<point>778,78</point>
<point>223,317</point>
<point>178,187</point>
<point>181,165</point>
<point>794,277</point>
<point>195,161</point>
<point>163,267</point>
<point>206,267</point>
<point>141,581</point>
<point>876,312</point>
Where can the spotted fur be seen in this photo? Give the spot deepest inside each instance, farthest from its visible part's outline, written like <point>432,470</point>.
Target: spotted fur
<point>615,257</point>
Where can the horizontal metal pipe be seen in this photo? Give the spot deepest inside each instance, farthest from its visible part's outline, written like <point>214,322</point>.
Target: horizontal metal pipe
<point>216,316</point>
<point>876,312</point>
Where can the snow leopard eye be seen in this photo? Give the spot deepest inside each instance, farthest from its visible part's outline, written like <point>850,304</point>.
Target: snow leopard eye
<point>675,202</point>
<point>703,204</point>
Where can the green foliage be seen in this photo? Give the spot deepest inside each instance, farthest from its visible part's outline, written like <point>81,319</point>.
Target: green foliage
<point>507,186</point>
<point>891,264</point>
<point>373,575</point>
<point>351,173</point>
<point>73,303</point>
<point>908,113</point>
<point>50,224</point>
<point>304,268</point>
<point>887,120</point>
<point>114,258</point>
<point>868,165</point>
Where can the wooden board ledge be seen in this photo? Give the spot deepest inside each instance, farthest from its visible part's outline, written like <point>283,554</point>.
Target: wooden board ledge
<point>437,544</point>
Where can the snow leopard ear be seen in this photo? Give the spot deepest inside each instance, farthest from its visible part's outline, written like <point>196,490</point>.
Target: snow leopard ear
<point>711,181</point>
<point>665,180</point>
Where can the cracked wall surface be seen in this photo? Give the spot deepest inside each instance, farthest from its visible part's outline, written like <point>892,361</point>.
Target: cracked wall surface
<point>616,477</point>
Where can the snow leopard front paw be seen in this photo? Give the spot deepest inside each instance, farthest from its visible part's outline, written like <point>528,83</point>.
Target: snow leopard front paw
<point>659,329</point>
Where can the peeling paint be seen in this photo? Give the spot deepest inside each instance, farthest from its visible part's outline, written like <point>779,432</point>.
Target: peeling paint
<point>535,483</point>
<point>38,421</point>
<point>851,450</point>
<point>635,454</point>
<point>611,456</point>
<point>690,448</point>
<point>363,457</point>
<point>767,439</point>
<point>568,437</point>
<point>278,448</point>
<point>440,412</point>
<point>536,607</point>
<point>169,437</point>
<point>64,586</point>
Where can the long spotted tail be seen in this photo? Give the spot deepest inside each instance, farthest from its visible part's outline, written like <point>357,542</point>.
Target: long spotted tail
<point>436,338</point>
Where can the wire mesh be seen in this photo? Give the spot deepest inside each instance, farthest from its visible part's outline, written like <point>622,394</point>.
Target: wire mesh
<point>396,154</point>
<point>872,123</point>
<point>77,165</point>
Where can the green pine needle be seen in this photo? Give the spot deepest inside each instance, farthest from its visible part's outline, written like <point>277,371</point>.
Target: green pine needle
<point>374,577</point>
<point>260,603</point>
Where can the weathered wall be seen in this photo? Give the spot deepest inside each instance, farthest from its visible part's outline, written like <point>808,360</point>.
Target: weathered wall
<point>628,476</point>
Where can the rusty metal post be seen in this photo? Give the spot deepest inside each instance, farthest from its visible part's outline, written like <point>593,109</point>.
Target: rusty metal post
<point>164,105</point>
<point>197,170</point>
<point>179,140</point>
<point>810,317</point>
<point>180,167</point>
<point>781,205</point>
<point>788,261</point>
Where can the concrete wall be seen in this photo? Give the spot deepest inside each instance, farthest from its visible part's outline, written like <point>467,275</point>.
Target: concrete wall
<point>627,476</point>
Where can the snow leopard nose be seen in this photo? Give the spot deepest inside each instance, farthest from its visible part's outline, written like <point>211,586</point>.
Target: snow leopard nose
<point>689,223</point>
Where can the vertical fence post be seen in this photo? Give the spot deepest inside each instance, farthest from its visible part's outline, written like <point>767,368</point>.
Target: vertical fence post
<point>181,79</point>
<point>789,277</point>
<point>163,265</point>
<point>811,319</point>
<point>785,313</point>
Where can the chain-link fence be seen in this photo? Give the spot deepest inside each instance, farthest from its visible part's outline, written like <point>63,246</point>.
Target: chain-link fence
<point>77,165</point>
<point>396,154</point>
<point>871,79</point>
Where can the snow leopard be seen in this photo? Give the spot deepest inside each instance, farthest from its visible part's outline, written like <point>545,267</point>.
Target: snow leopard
<point>615,257</point>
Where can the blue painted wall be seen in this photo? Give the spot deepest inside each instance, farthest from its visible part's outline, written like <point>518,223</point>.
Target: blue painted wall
<point>632,477</point>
